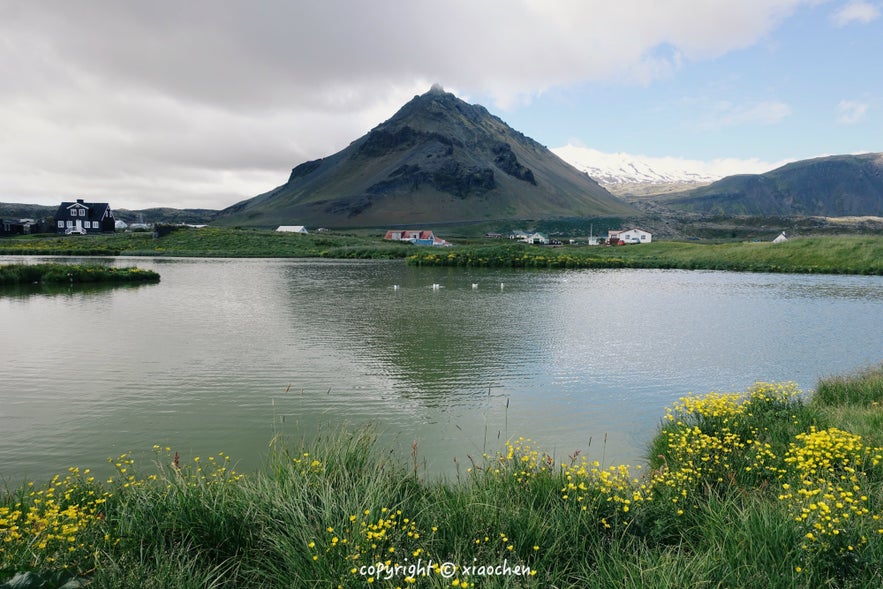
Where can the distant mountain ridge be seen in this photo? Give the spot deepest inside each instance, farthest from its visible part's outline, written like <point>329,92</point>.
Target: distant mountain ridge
<point>438,159</point>
<point>832,186</point>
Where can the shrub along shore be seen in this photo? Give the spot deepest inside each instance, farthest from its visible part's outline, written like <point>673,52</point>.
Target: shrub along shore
<point>23,274</point>
<point>856,254</point>
<point>763,488</point>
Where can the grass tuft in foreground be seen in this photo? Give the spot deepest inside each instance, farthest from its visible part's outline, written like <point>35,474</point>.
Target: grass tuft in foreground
<point>753,489</point>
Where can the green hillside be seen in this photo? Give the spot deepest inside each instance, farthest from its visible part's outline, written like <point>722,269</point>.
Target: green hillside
<point>835,186</point>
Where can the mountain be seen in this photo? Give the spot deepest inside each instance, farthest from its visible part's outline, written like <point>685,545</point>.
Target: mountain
<point>833,186</point>
<point>626,174</point>
<point>438,159</point>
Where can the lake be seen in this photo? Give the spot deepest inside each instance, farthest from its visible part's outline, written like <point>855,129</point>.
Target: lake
<point>223,354</point>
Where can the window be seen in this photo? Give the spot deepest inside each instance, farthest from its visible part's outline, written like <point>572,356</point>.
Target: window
<point>82,212</point>
<point>61,224</point>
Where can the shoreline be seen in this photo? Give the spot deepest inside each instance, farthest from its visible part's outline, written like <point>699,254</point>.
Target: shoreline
<point>855,255</point>
<point>799,479</point>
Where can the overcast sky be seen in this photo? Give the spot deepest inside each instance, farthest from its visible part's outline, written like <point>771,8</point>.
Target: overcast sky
<point>202,103</point>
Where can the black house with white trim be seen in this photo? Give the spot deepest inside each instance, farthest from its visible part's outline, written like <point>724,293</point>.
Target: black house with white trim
<point>84,217</point>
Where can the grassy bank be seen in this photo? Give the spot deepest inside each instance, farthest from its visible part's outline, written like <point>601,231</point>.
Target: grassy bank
<point>22,274</point>
<point>829,255</point>
<point>756,489</point>
<point>210,242</point>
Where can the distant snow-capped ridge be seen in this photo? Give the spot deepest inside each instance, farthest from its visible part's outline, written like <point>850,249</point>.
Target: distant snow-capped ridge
<point>613,169</point>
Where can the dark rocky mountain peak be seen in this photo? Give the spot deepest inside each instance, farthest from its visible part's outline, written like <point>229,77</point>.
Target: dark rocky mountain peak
<point>438,159</point>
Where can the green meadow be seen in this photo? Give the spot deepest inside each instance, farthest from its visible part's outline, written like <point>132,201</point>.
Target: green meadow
<point>854,254</point>
<point>210,242</point>
<point>766,487</point>
<point>827,255</point>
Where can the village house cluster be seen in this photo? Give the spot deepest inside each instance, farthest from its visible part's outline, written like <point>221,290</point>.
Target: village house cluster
<point>614,237</point>
<point>71,218</point>
<point>416,236</point>
<point>79,217</point>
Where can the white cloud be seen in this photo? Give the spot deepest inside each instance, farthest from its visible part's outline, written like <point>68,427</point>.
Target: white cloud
<point>728,114</point>
<point>850,112</point>
<point>156,99</point>
<point>856,11</point>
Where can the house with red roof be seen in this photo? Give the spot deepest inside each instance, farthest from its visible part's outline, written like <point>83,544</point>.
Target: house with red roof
<point>415,236</point>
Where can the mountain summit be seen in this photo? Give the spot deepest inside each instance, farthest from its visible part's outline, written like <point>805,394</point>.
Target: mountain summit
<point>438,159</point>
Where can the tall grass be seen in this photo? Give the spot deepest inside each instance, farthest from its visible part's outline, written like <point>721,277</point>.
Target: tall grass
<point>863,389</point>
<point>751,489</point>
<point>855,401</point>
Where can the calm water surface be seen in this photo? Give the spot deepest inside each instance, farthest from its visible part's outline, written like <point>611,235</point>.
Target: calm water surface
<point>224,354</point>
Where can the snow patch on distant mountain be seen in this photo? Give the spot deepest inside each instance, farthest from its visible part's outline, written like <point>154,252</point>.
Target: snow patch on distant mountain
<point>619,171</point>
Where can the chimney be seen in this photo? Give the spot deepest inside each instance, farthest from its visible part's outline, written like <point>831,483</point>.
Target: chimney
<point>80,200</point>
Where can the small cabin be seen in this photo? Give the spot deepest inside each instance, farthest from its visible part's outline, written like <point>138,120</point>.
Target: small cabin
<point>536,238</point>
<point>415,236</point>
<point>292,229</point>
<point>18,226</point>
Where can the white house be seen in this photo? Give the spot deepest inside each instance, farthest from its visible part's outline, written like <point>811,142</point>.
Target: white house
<point>536,238</point>
<point>292,228</point>
<point>782,237</point>
<point>633,235</point>
<point>528,237</point>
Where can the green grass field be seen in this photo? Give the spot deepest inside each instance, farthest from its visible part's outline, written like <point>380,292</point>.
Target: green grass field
<point>761,488</point>
<point>830,255</point>
<point>209,242</point>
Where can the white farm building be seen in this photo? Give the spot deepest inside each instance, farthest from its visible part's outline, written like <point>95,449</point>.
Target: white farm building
<point>633,235</point>
<point>292,229</point>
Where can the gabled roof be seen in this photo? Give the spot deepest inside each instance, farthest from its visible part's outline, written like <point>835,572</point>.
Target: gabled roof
<point>96,210</point>
<point>407,234</point>
<point>618,231</point>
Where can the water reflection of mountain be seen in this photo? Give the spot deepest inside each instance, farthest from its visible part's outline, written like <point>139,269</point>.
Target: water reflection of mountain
<point>434,342</point>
